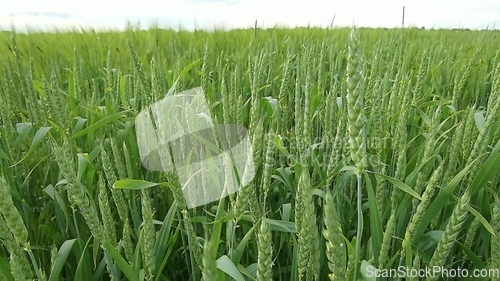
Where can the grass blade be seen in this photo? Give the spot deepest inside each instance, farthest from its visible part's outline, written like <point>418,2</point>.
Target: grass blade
<point>121,262</point>
<point>61,258</point>
<point>134,184</point>
<point>225,264</point>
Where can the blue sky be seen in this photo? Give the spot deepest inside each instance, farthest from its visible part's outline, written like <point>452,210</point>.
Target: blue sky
<point>190,14</point>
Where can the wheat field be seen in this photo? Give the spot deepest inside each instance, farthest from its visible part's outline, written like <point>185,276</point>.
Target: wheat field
<point>376,151</point>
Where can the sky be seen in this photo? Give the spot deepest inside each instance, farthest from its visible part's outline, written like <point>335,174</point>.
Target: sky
<point>210,14</point>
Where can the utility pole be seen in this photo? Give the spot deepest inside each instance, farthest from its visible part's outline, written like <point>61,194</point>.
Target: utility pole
<point>255,29</point>
<point>403,20</point>
<point>331,24</point>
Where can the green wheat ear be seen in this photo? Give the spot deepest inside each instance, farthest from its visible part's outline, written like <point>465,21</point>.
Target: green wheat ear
<point>265,255</point>
<point>11,214</point>
<point>451,232</point>
<point>210,271</point>
<point>355,104</point>
<point>305,222</point>
<point>356,121</point>
<point>13,234</point>
<point>148,233</point>
<point>335,244</point>
<point>495,239</point>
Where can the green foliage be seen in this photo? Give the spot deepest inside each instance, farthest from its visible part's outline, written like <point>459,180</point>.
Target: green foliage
<point>414,111</point>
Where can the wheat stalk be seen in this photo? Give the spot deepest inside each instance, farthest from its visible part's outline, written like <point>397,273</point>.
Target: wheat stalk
<point>356,127</point>
<point>76,190</point>
<point>210,271</point>
<point>19,264</point>
<point>148,234</point>
<point>335,244</point>
<point>422,207</point>
<point>386,240</point>
<point>120,202</point>
<point>495,239</point>
<point>105,210</point>
<point>355,105</point>
<point>194,244</point>
<point>450,234</point>
<point>305,221</point>
<point>265,253</point>
<point>11,215</point>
